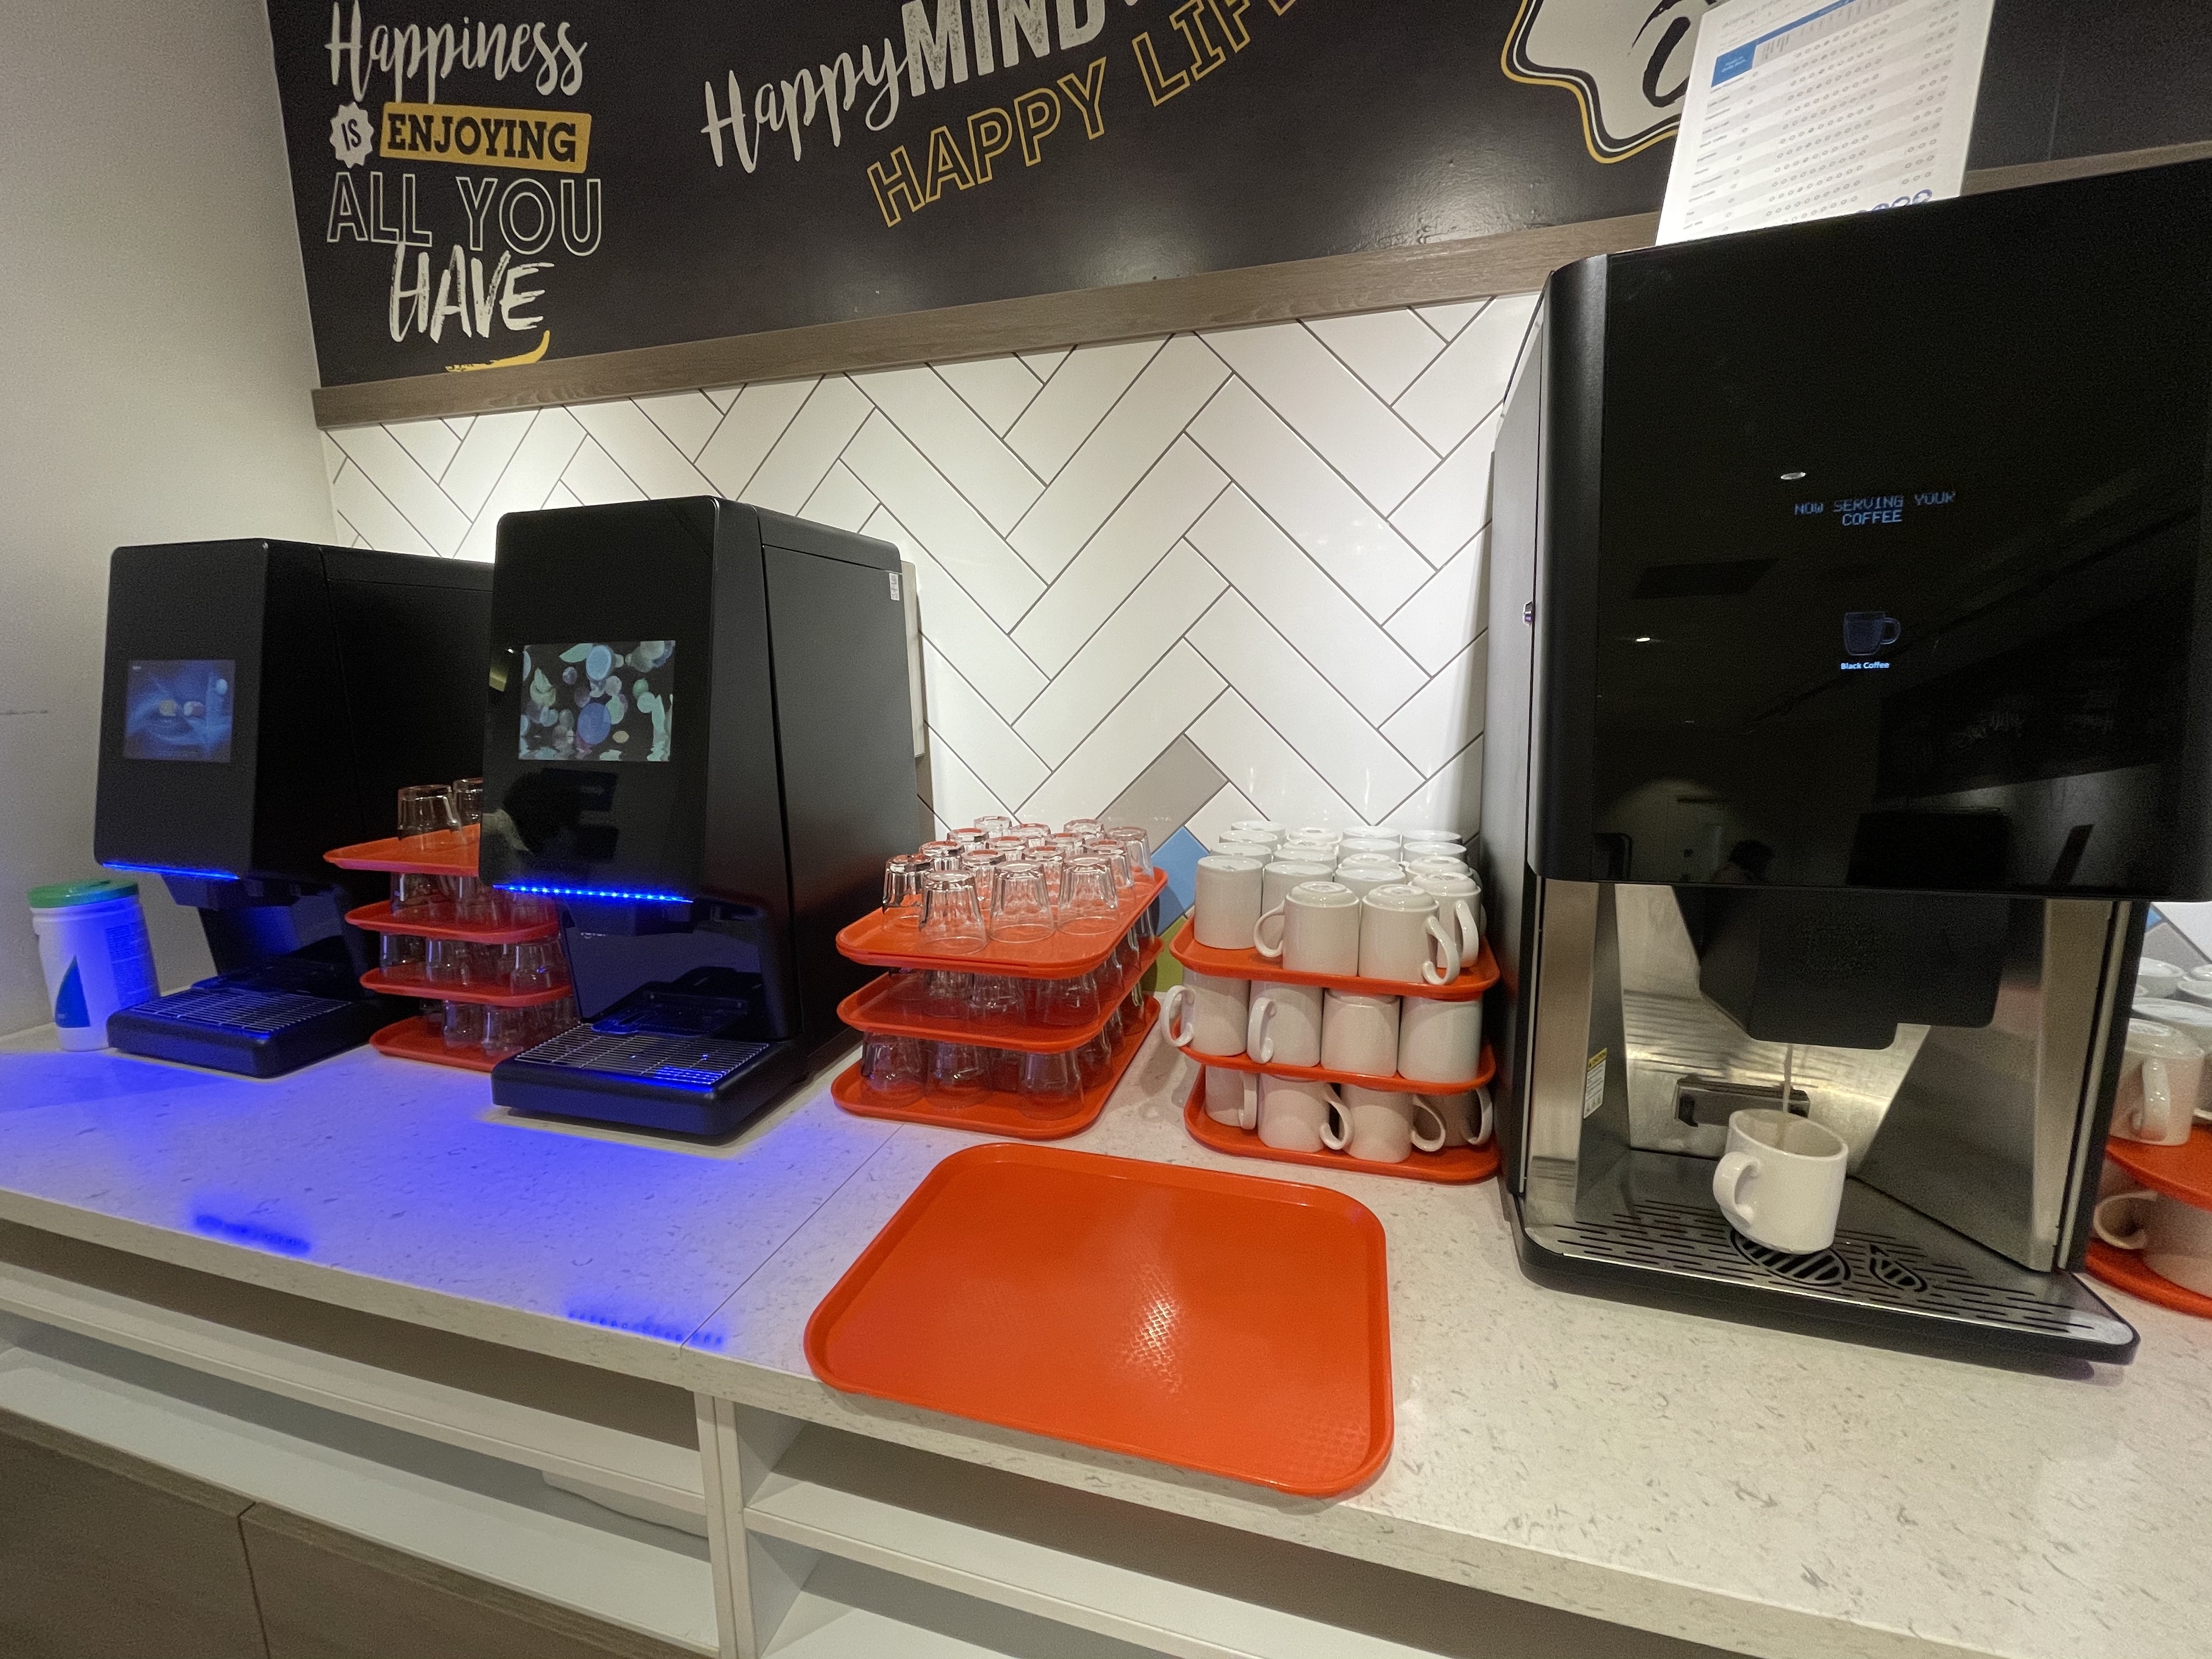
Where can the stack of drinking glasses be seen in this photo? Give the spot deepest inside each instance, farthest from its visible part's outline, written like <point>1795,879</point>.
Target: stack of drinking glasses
<point>1016,995</point>
<point>487,964</point>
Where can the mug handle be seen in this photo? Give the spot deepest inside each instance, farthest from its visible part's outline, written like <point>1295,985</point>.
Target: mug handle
<point>2135,1238</point>
<point>1336,1127</point>
<point>1470,934</point>
<point>1728,1184</point>
<point>1422,1143</point>
<point>1489,1118</point>
<point>1271,952</point>
<point>2154,1117</point>
<point>1259,1040</point>
<point>1248,1109</point>
<point>1446,951</point>
<point>1173,1001</point>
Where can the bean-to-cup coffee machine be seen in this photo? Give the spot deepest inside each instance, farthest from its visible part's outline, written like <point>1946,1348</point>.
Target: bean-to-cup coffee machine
<point>701,752</point>
<point>1848,699</point>
<point>265,701</point>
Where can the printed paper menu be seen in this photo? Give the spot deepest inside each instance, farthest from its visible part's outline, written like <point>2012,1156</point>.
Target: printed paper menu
<point>1802,110</point>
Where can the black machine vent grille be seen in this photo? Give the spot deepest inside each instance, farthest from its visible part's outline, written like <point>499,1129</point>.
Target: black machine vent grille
<point>1880,1269</point>
<point>697,1062</point>
<point>258,1013</point>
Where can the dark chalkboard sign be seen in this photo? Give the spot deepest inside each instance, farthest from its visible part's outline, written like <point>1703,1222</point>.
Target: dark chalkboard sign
<point>604,176</point>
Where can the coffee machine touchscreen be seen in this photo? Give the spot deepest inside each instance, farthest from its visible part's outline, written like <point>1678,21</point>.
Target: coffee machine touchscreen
<point>179,710</point>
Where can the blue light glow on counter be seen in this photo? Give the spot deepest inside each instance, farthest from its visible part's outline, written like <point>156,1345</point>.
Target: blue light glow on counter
<point>234,1231</point>
<point>184,871</point>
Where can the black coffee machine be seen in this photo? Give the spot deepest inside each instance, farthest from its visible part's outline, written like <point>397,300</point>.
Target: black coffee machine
<point>264,702</point>
<point>1849,697</point>
<point>701,752</point>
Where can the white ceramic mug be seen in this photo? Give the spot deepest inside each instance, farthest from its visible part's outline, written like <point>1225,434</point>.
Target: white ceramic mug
<point>1384,1125</point>
<point>2155,978</point>
<point>2161,1074</point>
<point>1401,939</point>
<point>1285,871</point>
<point>2196,984</point>
<point>1469,1118</point>
<point>1283,1028</point>
<point>1232,1097</point>
<point>1430,864</point>
<point>1439,1041</point>
<point>1236,847</point>
<point>1256,829</point>
<point>1228,901</point>
<point>1359,1033</point>
<point>1781,1183</point>
<point>1356,845</point>
<point>1434,843</point>
<point>1295,1115</point>
<point>1207,1013</point>
<point>1362,877</point>
<point>1459,907</point>
<point>1315,930</point>
<point>2175,1238</point>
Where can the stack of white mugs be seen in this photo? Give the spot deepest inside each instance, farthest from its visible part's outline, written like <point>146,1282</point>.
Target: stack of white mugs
<point>2165,1095</point>
<point>1372,903</point>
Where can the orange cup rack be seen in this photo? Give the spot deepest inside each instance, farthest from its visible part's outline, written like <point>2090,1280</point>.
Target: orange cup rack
<point>1453,1166</point>
<point>894,1009</point>
<point>458,1027</point>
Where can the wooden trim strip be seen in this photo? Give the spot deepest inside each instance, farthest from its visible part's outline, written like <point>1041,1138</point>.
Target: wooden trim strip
<point>1426,275</point>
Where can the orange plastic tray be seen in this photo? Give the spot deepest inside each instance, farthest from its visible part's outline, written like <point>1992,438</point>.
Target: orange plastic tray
<point>871,1009</point>
<point>415,1039</point>
<point>1454,1166</point>
<point>1250,965</point>
<point>447,853</point>
<point>379,919</point>
<point>995,1113</point>
<point>874,941</point>
<point>376,980</point>
<point>1135,1307</point>
<point>1396,1084</point>
<point>2183,1172</point>
<point>2126,1270</point>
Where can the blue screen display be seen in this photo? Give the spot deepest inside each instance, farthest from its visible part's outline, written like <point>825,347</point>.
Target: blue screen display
<point>180,710</point>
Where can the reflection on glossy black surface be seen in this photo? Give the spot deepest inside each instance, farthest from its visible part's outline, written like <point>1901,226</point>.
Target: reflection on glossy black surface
<point>1900,546</point>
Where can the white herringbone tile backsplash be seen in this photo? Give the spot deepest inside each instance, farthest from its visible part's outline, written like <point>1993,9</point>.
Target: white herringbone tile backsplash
<point>1211,577</point>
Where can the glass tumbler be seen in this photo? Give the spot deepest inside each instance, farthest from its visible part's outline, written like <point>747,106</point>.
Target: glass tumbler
<point>1088,901</point>
<point>423,898</point>
<point>446,962</point>
<point>465,1025</point>
<point>1082,828</point>
<point>425,809</point>
<point>946,994</point>
<point>996,823</point>
<point>487,967</point>
<point>1052,1086</point>
<point>402,956</point>
<point>477,903</point>
<point>952,917</point>
<point>903,889</point>
<point>1065,1002</point>
<point>510,1030</point>
<point>1023,914</point>
<point>997,1002</point>
<point>1094,1060</point>
<point>468,800</point>
<point>537,966</point>
<point>893,1068</point>
<point>942,854</point>
<point>958,1071</point>
<point>1138,845</point>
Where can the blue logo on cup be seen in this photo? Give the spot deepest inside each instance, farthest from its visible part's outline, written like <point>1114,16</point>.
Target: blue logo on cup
<point>1868,632</point>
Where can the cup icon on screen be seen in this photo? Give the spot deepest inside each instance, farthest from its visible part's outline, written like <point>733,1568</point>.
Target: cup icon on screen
<point>1865,632</point>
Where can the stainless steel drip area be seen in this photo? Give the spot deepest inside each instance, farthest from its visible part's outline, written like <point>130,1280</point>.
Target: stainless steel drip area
<point>1968,1144</point>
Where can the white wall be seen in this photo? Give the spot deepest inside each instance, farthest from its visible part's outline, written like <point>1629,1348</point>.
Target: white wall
<point>1187,581</point>
<point>154,368</point>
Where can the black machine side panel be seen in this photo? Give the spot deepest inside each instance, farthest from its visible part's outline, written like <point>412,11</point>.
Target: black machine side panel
<point>846,749</point>
<point>410,645</point>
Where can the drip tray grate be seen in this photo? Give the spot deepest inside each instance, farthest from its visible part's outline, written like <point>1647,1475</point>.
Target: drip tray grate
<point>1651,1218</point>
<point>688,1061</point>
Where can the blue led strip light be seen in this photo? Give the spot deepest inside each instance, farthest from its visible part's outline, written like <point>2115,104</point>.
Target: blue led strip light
<point>176,870</point>
<point>613,894</point>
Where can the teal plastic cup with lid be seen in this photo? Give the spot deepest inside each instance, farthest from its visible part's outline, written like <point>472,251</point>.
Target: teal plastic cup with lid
<point>94,948</point>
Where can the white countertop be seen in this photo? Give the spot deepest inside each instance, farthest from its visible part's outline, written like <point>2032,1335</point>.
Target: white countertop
<point>1780,1494</point>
